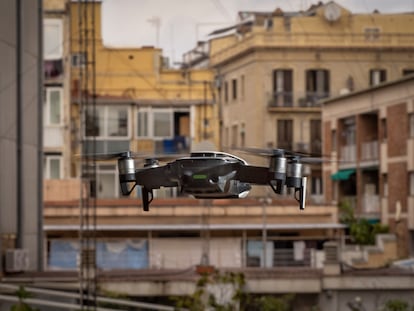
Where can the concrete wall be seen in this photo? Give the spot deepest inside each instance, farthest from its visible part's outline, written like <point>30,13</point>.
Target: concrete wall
<point>20,148</point>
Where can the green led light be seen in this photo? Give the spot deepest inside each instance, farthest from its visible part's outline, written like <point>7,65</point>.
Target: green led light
<point>199,176</point>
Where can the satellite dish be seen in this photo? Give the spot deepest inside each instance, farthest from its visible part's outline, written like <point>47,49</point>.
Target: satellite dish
<point>332,12</point>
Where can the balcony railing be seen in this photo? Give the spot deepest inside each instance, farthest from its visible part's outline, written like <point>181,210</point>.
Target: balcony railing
<point>369,151</point>
<point>289,99</point>
<point>348,153</point>
<point>371,204</point>
<point>285,257</point>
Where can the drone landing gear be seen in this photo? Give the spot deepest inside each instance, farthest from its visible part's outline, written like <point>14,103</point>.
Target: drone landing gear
<point>300,189</point>
<point>147,197</point>
<point>302,194</point>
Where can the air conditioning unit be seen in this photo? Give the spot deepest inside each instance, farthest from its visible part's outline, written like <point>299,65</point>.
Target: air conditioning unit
<point>17,260</point>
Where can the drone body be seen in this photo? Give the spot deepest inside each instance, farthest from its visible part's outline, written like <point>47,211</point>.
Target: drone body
<point>212,175</point>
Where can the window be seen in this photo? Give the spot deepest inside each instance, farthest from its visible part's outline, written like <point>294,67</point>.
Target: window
<point>108,122</point>
<point>411,125</point>
<point>226,92</point>
<point>377,76</point>
<point>372,33</point>
<point>52,167</point>
<point>384,129</point>
<point>285,134</point>
<point>142,123</point>
<point>316,185</point>
<point>333,140</point>
<point>78,59</point>
<point>317,86</point>
<point>242,86</point>
<point>234,135</point>
<point>282,88</point>
<point>107,181</point>
<point>52,42</point>
<point>234,89</point>
<point>155,123</point>
<point>407,72</point>
<point>53,106</point>
<point>315,136</point>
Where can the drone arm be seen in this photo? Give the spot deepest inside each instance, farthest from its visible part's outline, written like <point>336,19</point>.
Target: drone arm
<point>254,174</point>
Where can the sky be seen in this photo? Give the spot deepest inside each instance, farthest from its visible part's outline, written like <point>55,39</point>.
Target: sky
<point>177,25</point>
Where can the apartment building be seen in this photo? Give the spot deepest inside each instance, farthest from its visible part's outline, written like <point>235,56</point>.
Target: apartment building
<point>142,104</point>
<point>273,68</point>
<point>371,135</point>
<point>56,79</point>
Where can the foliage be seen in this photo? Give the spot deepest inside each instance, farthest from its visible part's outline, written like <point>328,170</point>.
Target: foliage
<point>271,303</point>
<point>203,297</point>
<point>396,305</point>
<point>22,294</point>
<point>361,230</point>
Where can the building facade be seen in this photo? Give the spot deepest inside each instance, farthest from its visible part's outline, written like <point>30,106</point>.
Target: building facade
<point>370,134</point>
<point>273,68</point>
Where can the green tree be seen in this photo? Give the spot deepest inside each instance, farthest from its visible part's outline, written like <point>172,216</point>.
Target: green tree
<point>22,294</point>
<point>361,230</point>
<point>396,305</point>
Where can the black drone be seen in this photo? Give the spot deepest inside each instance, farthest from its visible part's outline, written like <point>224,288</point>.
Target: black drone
<point>214,175</point>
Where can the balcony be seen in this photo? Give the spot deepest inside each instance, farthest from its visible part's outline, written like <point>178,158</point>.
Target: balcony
<point>348,153</point>
<point>369,151</point>
<point>371,204</point>
<point>296,101</point>
<point>53,70</point>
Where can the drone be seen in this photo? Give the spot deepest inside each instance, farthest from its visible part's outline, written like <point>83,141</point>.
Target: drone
<point>214,175</point>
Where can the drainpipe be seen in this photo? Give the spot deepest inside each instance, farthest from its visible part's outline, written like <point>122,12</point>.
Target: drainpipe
<point>40,139</point>
<point>19,124</point>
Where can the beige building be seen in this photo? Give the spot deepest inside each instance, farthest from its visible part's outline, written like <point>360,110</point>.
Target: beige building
<point>371,134</point>
<point>56,80</point>
<point>273,68</point>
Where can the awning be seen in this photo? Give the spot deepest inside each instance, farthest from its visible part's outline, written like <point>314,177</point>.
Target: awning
<point>343,174</point>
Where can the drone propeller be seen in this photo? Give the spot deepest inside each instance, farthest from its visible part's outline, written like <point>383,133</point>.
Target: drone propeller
<point>292,156</point>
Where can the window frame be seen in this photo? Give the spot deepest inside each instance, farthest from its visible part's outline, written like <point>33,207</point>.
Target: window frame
<point>47,108</point>
<point>53,22</point>
<point>150,120</point>
<point>47,166</point>
<point>382,72</point>
<point>106,136</point>
<point>100,170</point>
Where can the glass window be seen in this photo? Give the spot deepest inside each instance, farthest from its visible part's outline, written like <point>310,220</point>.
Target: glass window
<point>234,89</point>
<point>142,124</point>
<point>52,167</point>
<point>53,108</point>
<point>52,43</point>
<point>282,87</point>
<point>317,85</point>
<point>117,121</point>
<point>162,121</point>
<point>372,33</point>
<point>377,76</point>
<point>107,121</point>
<point>107,181</point>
